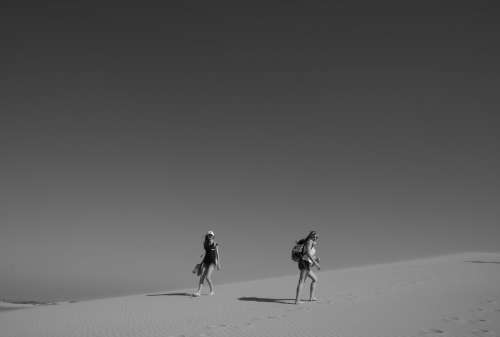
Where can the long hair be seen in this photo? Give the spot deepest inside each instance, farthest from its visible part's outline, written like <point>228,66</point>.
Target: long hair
<point>308,237</point>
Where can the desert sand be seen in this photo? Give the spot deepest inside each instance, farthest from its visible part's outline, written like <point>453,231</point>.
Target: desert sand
<point>4,306</point>
<point>456,295</point>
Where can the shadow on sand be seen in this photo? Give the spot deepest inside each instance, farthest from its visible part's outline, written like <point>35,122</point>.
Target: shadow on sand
<point>268,300</point>
<point>172,294</point>
<point>9,309</point>
<point>479,261</point>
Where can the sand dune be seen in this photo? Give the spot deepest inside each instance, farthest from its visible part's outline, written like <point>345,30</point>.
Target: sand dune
<point>456,295</point>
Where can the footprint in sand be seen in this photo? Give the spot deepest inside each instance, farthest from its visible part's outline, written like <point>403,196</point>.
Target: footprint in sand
<point>436,331</point>
<point>480,324</point>
<point>479,309</point>
<point>453,319</point>
<point>484,332</point>
<point>431,332</point>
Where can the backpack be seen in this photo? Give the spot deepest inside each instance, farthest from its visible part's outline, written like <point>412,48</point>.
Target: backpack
<point>298,251</point>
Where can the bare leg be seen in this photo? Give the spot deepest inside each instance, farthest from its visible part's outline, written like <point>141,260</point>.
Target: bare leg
<point>202,280</point>
<point>208,276</point>
<point>314,279</point>
<point>302,277</point>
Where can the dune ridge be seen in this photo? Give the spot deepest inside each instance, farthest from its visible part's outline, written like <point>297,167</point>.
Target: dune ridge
<point>454,295</point>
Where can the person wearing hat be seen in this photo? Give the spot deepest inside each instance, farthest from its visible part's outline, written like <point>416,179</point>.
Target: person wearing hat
<point>209,263</point>
<point>308,260</point>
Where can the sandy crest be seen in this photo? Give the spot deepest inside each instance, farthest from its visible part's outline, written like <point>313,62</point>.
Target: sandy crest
<point>456,295</point>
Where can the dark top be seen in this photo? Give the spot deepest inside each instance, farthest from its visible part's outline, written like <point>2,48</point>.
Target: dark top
<point>210,253</point>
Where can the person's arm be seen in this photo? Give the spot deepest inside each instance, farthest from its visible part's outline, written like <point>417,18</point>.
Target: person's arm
<point>308,254</point>
<point>217,257</point>
<point>204,251</point>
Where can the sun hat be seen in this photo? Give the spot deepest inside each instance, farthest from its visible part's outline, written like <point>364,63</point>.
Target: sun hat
<point>312,234</point>
<point>210,233</point>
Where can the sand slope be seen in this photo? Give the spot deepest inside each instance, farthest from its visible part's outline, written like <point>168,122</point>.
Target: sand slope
<point>457,295</point>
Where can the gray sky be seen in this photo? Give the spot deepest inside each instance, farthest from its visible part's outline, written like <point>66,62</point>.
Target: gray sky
<point>126,133</point>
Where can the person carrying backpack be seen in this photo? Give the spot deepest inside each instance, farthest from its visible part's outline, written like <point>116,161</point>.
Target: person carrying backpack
<point>306,259</point>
